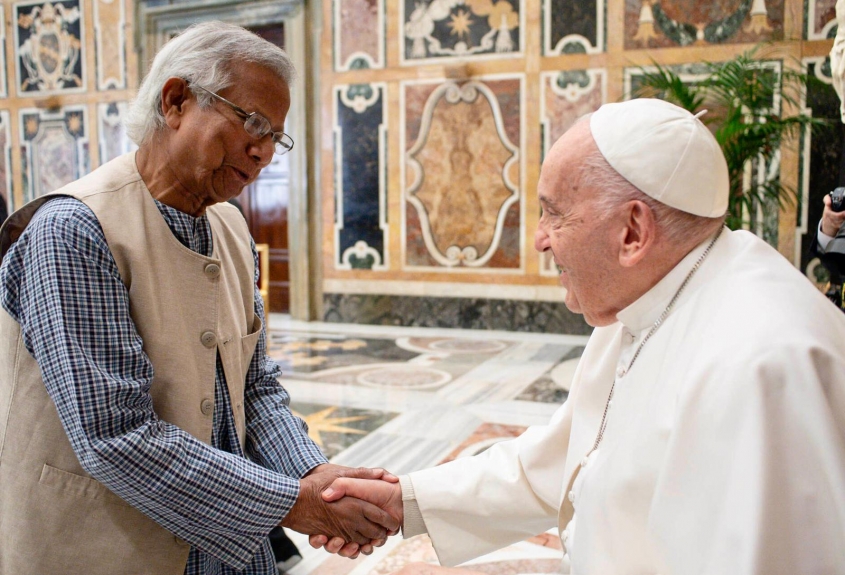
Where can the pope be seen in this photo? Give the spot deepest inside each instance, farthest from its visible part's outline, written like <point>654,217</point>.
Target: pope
<point>705,427</point>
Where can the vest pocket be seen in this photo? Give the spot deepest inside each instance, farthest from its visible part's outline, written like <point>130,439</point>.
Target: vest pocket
<point>248,343</point>
<point>73,485</point>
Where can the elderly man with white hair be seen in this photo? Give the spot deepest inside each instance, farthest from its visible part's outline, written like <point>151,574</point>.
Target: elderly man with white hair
<point>142,427</point>
<point>705,427</point>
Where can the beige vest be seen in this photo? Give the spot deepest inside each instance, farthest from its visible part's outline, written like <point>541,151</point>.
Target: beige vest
<point>54,517</point>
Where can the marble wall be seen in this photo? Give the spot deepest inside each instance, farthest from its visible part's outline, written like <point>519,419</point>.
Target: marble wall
<point>443,110</point>
<point>436,118</point>
<point>72,70</point>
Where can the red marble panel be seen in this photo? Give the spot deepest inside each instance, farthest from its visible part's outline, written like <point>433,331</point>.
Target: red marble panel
<point>358,31</point>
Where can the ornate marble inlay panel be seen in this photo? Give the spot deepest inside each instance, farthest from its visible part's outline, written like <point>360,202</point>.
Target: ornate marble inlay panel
<point>565,97</point>
<point>360,185</point>
<point>669,23</point>
<point>49,41</point>
<point>54,149</point>
<point>358,34</point>
<point>462,174</point>
<point>4,88</point>
<point>6,161</point>
<point>821,19</point>
<point>112,134</point>
<point>573,27</point>
<point>460,28</point>
<point>109,27</point>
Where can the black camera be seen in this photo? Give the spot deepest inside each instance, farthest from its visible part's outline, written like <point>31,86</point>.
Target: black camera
<point>837,199</point>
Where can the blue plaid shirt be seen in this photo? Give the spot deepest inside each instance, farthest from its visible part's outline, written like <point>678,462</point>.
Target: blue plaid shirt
<point>61,283</point>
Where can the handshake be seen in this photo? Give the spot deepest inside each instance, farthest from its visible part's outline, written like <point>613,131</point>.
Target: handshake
<point>347,510</point>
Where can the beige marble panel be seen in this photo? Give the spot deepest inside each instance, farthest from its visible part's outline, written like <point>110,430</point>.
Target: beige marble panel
<point>463,173</point>
<point>463,160</point>
<point>109,27</point>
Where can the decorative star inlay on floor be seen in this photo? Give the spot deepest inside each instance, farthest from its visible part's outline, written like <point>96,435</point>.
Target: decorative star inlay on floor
<point>321,421</point>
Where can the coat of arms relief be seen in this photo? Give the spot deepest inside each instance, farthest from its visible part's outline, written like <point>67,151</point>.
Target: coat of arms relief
<point>49,47</point>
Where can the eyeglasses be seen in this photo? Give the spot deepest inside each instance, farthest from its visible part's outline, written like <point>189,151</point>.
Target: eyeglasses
<point>256,125</point>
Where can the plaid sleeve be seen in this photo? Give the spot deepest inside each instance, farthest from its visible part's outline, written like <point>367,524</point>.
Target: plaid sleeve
<point>74,313</point>
<point>276,438</point>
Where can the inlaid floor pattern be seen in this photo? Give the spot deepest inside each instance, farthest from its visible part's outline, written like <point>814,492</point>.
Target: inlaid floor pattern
<point>411,398</point>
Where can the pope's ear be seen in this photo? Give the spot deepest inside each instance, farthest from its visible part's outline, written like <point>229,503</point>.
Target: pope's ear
<point>638,235</point>
<point>174,94</point>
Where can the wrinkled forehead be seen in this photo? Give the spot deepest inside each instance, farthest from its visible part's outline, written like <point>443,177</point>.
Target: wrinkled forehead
<point>561,170</point>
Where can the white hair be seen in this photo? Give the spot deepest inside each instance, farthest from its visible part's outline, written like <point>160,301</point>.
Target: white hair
<point>679,228</point>
<point>205,54</point>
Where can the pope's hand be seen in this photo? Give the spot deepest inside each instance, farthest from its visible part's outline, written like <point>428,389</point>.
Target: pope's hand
<point>351,519</point>
<point>384,494</point>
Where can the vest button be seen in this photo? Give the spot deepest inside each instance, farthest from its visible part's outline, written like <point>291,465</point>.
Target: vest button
<point>208,339</point>
<point>207,406</point>
<point>212,270</point>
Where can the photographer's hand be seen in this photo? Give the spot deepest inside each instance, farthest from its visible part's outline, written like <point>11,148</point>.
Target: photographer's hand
<point>831,221</point>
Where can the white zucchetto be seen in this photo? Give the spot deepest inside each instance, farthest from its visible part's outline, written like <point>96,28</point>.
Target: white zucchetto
<point>666,152</point>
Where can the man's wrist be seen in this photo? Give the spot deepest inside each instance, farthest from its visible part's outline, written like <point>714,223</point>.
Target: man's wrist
<point>829,228</point>
<point>822,238</point>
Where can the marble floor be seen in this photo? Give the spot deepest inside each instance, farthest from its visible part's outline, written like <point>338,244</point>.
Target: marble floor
<point>411,398</point>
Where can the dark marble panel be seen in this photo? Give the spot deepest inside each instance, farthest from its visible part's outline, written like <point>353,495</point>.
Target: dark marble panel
<point>441,29</point>
<point>49,46</point>
<point>466,313</point>
<point>308,354</point>
<point>825,164</point>
<point>573,17</point>
<point>335,428</point>
<point>360,163</point>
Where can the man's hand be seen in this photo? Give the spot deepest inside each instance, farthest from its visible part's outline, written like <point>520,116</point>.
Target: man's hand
<point>351,519</point>
<point>831,221</point>
<point>386,495</point>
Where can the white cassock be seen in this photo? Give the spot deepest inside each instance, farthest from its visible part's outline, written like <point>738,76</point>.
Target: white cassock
<point>724,450</point>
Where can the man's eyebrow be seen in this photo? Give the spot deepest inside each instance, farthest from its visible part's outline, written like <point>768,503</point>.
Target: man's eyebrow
<point>546,201</point>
